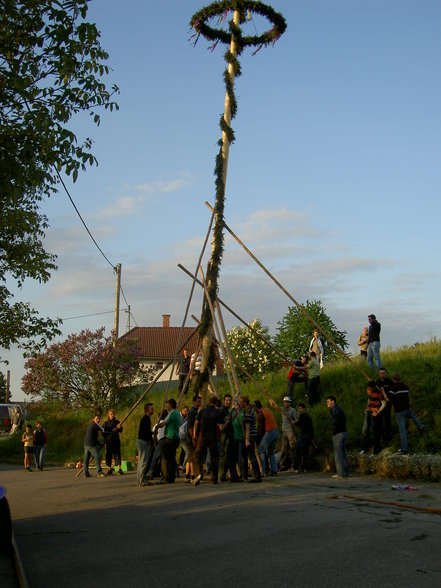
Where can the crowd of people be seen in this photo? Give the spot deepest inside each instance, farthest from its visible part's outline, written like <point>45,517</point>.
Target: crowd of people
<point>228,441</point>
<point>222,441</point>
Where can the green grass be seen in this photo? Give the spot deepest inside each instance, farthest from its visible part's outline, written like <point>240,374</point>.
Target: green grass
<point>420,367</point>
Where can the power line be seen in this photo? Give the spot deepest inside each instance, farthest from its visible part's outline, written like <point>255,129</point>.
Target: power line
<point>99,249</point>
<point>70,318</point>
<point>123,295</point>
<point>84,224</point>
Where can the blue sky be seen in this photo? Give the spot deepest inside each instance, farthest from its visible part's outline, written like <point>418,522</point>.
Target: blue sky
<point>333,182</point>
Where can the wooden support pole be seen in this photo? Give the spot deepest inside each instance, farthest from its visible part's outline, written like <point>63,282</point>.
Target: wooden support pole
<point>228,349</point>
<point>299,306</point>
<point>190,297</point>
<point>224,338</point>
<point>258,335</point>
<point>219,342</point>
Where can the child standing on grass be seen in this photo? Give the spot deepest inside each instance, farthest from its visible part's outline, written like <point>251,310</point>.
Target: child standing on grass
<point>28,442</point>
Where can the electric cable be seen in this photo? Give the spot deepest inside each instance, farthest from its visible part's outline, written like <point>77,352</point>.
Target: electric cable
<point>84,224</point>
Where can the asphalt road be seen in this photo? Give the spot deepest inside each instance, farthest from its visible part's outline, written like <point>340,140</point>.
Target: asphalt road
<point>304,530</point>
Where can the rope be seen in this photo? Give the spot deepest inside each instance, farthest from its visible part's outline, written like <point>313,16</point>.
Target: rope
<point>397,504</point>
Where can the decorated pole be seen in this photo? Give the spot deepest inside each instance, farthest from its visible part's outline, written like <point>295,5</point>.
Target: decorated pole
<point>236,42</point>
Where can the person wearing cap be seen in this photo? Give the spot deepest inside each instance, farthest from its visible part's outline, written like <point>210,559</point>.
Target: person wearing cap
<point>289,416</point>
<point>373,348</point>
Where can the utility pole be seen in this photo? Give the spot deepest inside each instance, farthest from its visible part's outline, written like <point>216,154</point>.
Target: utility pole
<point>118,290</point>
<point>8,386</point>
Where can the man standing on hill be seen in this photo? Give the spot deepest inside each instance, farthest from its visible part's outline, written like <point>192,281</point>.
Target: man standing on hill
<point>296,374</point>
<point>373,349</point>
<point>196,364</point>
<point>268,433</point>
<point>313,383</point>
<point>362,342</point>
<point>316,345</point>
<point>183,369</point>
<point>92,447</point>
<point>399,395</point>
<point>373,418</point>
<point>338,420</point>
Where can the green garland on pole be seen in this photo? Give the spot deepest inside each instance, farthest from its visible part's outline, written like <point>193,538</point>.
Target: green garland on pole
<point>198,22</point>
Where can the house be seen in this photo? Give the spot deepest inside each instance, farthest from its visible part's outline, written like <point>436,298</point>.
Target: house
<point>158,345</point>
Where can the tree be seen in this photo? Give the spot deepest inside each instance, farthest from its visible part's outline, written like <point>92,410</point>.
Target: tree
<point>250,351</point>
<point>51,65</point>
<point>295,331</point>
<point>84,370</point>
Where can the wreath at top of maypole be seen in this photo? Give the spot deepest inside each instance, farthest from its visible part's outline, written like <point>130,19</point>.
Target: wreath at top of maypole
<point>200,18</point>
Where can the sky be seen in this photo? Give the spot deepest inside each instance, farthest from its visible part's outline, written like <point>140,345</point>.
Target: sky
<point>333,181</point>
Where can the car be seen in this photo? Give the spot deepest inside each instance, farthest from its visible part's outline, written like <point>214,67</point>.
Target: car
<point>6,412</point>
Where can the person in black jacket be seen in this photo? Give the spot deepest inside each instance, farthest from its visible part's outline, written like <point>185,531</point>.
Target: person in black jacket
<point>112,428</point>
<point>399,396</point>
<point>338,420</point>
<point>304,439</point>
<point>40,443</point>
<point>373,349</point>
<point>144,443</point>
<point>92,447</point>
<point>183,370</point>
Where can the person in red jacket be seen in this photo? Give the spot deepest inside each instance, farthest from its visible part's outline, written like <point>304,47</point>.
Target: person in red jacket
<point>270,433</point>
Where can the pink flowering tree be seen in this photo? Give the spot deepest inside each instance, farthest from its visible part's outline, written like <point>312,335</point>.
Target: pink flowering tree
<point>85,370</point>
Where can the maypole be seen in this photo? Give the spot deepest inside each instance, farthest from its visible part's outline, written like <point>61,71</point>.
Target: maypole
<point>236,42</point>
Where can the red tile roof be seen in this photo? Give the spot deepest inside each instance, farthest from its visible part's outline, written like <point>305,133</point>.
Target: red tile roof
<point>162,342</point>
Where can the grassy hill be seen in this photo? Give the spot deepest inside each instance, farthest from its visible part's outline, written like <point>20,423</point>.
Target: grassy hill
<point>420,368</point>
